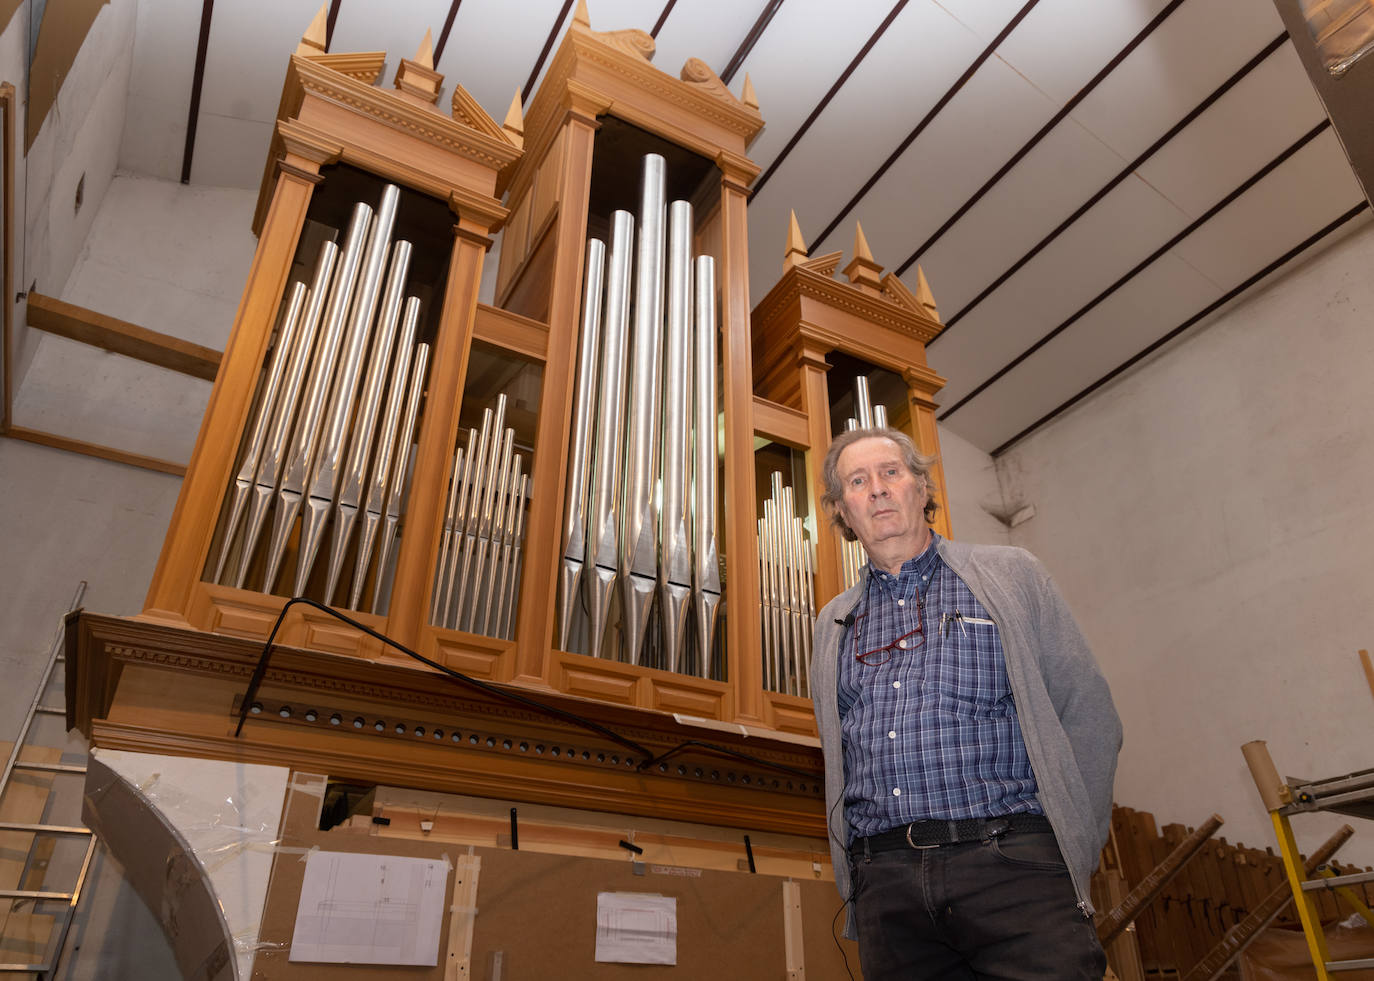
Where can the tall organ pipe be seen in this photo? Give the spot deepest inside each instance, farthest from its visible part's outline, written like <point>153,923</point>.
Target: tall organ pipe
<point>324,480</point>
<point>354,476</point>
<point>603,536</point>
<point>705,552</point>
<point>499,450</point>
<point>374,503</point>
<point>575,515</point>
<point>462,476</point>
<point>400,458</point>
<point>443,576</point>
<point>306,437</point>
<point>500,533</point>
<point>273,457</point>
<point>506,628</point>
<point>498,478</point>
<point>638,544</point>
<point>467,542</point>
<point>267,404</point>
<point>675,563</point>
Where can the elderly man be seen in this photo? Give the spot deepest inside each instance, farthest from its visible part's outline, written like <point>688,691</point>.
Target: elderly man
<point>970,740</point>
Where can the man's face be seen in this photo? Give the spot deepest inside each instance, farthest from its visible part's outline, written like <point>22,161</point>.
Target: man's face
<point>883,500</point>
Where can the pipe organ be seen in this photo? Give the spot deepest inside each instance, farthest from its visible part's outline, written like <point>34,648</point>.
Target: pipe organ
<point>599,490</point>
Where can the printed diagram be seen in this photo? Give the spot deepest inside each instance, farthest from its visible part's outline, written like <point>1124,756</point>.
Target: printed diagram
<point>370,909</point>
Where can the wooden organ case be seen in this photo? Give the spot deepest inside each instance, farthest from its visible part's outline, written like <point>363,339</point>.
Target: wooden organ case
<point>452,379</point>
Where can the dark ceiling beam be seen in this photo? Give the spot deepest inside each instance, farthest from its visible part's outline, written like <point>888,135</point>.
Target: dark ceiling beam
<point>662,19</point>
<point>447,29</point>
<point>329,22</point>
<point>935,110</point>
<point>544,52</point>
<point>1044,131</point>
<point>825,100</point>
<point>1125,172</point>
<point>752,38</point>
<point>1191,227</point>
<point>1202,314</point>
<point>197,83</point>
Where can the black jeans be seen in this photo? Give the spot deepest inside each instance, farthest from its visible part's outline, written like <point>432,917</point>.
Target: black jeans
<point>1003,909</point>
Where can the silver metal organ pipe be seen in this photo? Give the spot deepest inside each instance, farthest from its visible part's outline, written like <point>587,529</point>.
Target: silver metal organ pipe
<point>354,476</point>
<point>795,589</point>
<point>501,564</point>
<point>488,544</point>
<point>257,433</point>
<point>462,486</point>
<point>324,480</point>
<point>765,602</point>
<point>880,416</point>
<point>575,515</point>
<point>306,437</point>
<point>269,469</point>
<point>863,403</point>
<point>675,544</point>
<point>400,459</point>
<point>374,502</point>
<point>472,498</point>
<point>507,625</point>
<point>443,573</point>
<point>499,451</point>
<point>604,527</point>
<point>705,551</point>
<point>638,544</point>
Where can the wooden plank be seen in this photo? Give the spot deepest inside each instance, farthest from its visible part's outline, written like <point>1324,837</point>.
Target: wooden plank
<point>95,450</point>
<point>781,424</point>
<point>121,337</point>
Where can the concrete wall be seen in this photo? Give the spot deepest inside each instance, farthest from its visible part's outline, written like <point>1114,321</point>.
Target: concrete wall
<point>975,494</point>
<point>1209,519</point>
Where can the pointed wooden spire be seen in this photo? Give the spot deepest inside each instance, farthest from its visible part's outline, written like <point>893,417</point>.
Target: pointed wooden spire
<point>580,15</point>
<point>514,126</point>
<point>425,56</point>
<point>862,271</point>
<point>924,296</point>
<point>747,94</point>
<point>795,253</point>
<point>316,36</point>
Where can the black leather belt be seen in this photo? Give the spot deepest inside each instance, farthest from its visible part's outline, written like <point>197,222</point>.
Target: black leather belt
<point>926,834</point>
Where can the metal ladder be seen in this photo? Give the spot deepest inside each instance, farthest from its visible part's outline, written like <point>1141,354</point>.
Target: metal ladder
<point>62,920</point>
<point>1353,795</point>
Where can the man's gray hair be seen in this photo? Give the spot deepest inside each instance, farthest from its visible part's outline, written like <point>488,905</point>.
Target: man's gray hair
<point>916,461</point>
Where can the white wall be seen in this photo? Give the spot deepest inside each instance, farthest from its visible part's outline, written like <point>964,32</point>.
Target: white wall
<point>1209,518</point>
<point>975,494</point>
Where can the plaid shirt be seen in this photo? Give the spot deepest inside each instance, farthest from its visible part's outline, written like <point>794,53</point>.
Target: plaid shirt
<point>930,733</point>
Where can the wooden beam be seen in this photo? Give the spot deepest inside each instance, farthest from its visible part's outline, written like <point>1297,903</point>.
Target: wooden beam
<point>121,337</point>
<point>7,103</point>
<point>96,450</point>
<point>781,424</point>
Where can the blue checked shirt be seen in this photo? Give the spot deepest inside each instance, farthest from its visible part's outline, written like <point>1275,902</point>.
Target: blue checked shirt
<point>931,733</point>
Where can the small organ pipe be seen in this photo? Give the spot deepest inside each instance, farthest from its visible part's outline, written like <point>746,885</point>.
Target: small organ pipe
<point>507,626</point>
<point>458,494</point>
<point>501,580</point>
<point>486,436</point>
<point>441,579</point>
<point>499,451</point>
<point>488,548</point>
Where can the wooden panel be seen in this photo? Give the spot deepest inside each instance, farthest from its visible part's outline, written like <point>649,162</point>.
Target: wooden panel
<point>781,424</point>
<point>512,332</point>
<point>589,678</point>
<point>471,654</point>
<point>707,699</point>
<point>121,337</point>
<point>791,714</point>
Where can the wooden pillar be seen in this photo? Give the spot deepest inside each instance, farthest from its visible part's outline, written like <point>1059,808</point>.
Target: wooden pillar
<point>744,631</point>
<point>921,385</point>
<point>193,521</point>
<point>415,561</point>
<point>535,617</point>
<point>813,368</point>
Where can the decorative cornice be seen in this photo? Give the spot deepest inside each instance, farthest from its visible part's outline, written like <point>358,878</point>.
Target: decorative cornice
<point>802,282</point>
<point>823,265</point>
<point>478,207</point>
<point>363,66</point>
<point>469,111</point>
<point>633,42</point>
<point>697,72</point>
<point>308,142</point>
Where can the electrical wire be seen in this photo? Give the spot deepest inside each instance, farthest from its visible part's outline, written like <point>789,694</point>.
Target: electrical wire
<point>647,758</point>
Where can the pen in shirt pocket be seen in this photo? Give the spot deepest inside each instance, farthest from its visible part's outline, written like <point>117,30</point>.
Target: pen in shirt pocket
<point>956,617</point>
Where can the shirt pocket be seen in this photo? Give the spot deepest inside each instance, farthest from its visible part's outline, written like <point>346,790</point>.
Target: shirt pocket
<point>968,665</point>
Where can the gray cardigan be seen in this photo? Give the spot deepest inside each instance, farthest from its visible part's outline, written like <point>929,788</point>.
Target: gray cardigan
<point>1067,718</point>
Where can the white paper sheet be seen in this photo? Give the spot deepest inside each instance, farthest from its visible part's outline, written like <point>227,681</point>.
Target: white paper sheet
<point>370,909</point>
<point>636,928</point>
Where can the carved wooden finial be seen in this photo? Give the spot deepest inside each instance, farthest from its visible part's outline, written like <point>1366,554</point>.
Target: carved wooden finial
<point>924,296</point>
<point>580,15</point>
<point>747,94</point>
<point>316,36</point>
<point>862,271</point>
<point>425,56</point>
<point>514,126</point>
<point>795,253</point>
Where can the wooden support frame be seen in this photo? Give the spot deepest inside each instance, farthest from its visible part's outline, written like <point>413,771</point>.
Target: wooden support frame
<point>117,336</point>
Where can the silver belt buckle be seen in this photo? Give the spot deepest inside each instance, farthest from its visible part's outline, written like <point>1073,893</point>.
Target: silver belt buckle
<point>913,844</point>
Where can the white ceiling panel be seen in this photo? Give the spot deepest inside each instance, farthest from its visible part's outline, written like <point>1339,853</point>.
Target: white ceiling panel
<point>1194,51</point>
<point>1114,236</point>
<point>1313,187</point>
<point>491,53</point>
<point>847,28</point>
<point>1049,48</point>
<point>245,64</point>
<point>165,33</point>
<point>230,151</point>
<point>1248,127</point>
<point>711,30</point>
<point>1045,187</point>
<point>987,121</point>
<point>1165,295</point>
<point>985,18</point>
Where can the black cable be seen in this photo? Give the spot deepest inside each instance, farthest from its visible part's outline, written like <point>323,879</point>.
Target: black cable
<point>260,671</point>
